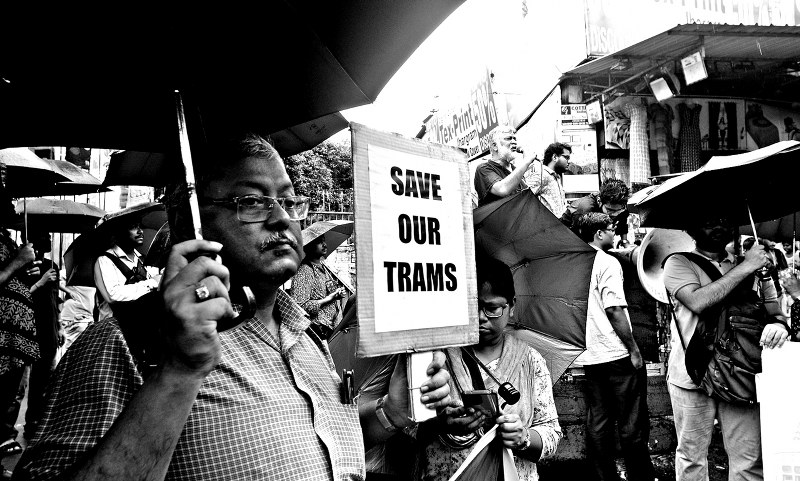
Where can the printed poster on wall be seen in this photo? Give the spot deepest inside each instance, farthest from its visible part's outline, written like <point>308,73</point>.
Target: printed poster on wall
<point>415,252</point>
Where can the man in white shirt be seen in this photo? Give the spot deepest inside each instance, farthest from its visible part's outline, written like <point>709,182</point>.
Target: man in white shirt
<point>616,380</point>
<point>119,273</point>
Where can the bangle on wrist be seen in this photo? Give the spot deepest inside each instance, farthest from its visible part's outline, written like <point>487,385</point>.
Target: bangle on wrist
<point>383,418</point>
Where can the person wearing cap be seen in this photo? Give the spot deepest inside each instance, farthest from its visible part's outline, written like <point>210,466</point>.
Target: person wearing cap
<point>317,289</point>
<point>119,274</point>
<point>260,400</point>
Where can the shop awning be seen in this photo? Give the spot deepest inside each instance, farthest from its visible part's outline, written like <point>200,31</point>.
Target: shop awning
<point>761,62</point>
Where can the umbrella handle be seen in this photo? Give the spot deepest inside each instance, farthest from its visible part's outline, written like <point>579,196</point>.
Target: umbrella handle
<point>242,298</point>
<point>752,224</point>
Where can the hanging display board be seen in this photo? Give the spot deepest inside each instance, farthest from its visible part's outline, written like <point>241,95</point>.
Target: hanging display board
<point>414,245</point>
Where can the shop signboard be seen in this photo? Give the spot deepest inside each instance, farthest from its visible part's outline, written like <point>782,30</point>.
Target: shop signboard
<point>466,125</point>
<point>415,252</point>
<point>574,116</point>
<point>610,24</point>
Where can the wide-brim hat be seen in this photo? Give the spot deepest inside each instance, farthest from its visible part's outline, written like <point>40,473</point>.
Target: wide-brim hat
<point>150,214</point>
<point>335,232</point>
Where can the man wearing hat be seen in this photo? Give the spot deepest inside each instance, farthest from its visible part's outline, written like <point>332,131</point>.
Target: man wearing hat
<point>119,273</point>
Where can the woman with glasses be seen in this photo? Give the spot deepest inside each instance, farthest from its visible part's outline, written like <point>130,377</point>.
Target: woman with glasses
<point>530,427</point>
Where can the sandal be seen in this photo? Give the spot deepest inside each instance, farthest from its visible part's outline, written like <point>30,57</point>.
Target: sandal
<point>10,449</point>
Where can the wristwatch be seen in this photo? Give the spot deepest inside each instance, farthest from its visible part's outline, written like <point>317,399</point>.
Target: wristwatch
<point>526,443</point>
<point>382,417</point>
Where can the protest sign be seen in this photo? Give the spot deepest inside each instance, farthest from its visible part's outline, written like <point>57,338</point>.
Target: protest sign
<point>415,252</point>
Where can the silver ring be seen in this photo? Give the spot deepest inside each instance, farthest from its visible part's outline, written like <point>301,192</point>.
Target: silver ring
<point>201,293</point>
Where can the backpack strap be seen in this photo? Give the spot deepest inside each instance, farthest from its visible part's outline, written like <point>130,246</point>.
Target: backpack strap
<point>711,271</point>
<point>474,371</point>
<point>126,271</point>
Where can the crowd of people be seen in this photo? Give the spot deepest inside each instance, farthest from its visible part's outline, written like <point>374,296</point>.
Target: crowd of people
<point>163,394</point>
<point>616,382</point>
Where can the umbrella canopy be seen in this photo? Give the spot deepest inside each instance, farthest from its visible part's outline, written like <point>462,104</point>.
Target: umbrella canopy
<point>262,68</point>
<point>80,181</point>
<point>26,173</point>
<point>552,268</point>
<point>782,229</point>
<point>130,167</point>
<point>335,232</point>
<point>55,215</point>
<point>81,254</point>
<point>762,182</point>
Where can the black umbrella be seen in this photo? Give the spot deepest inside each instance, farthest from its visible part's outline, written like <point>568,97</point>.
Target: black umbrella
<point>27,174</point>
<point>262,68</point>
<point>53,215</point>
<point>754,186</point>
<point>552,269</point>
<point>131,167</point>
<point>81,254</point>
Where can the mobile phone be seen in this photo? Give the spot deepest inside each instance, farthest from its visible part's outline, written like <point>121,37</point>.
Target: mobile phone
<point>482,400</point>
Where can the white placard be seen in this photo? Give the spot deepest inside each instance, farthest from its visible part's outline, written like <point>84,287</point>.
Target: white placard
<point>780,420</point>
<point>418,242</point>
<point>415,245</point>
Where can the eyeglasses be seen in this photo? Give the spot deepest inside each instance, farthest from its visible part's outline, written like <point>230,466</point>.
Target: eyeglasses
<point>566,156</point>
<point>257,208</point>
<point>614,212</point>
<point>492,312</point>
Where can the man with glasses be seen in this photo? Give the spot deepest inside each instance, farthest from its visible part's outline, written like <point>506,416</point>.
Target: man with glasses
<point>501,175</point>
<point>692,293</point>
<point>545,178</point>
<point>611,200</point>
<point>616,379</point>
<point>258,401</point>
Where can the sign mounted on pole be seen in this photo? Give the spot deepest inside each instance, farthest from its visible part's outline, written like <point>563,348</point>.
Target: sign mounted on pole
<point>415,251</point>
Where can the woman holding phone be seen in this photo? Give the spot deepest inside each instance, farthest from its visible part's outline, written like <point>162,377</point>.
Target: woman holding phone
<point>530,427</point>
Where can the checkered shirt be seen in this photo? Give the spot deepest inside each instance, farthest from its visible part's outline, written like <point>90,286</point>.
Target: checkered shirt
<point>270,410</point>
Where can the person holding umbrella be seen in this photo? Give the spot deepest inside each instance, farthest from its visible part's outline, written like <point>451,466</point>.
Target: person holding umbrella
<point>316,289</point>
<point>257,401</point>
<point>693,292</point>
<point>18,344</point>
<point>42,280</point>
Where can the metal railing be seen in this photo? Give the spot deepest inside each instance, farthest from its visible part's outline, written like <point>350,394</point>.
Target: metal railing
<point>319,215</point>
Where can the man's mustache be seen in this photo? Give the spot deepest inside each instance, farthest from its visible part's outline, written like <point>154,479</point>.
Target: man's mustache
<point>276,239</point>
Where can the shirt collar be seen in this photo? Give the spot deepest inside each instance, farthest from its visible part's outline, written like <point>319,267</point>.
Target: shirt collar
<point>117,250</point>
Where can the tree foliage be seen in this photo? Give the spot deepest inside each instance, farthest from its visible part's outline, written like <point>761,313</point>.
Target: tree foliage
<point>324,173</point>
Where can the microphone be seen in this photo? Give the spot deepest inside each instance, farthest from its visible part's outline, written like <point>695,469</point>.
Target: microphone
<point>507,391</point>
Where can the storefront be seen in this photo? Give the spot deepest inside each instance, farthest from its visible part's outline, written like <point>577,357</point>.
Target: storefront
<point>721,89</point>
